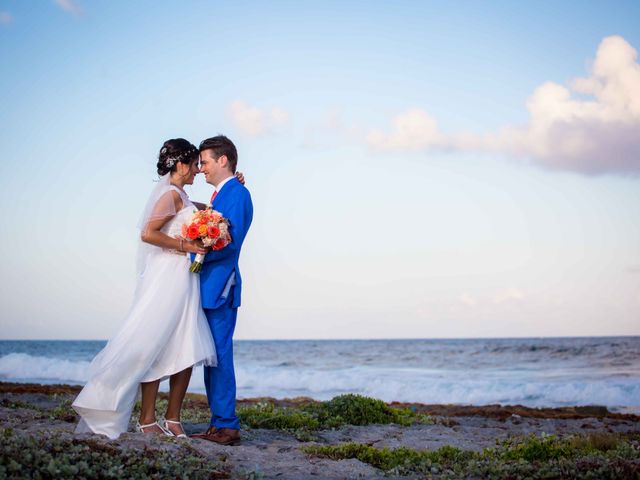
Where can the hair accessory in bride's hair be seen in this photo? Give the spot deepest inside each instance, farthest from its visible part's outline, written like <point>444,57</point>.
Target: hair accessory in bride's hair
<point>170,161</point>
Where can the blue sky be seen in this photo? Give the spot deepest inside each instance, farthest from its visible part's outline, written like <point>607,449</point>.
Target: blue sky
<point>418,169</point>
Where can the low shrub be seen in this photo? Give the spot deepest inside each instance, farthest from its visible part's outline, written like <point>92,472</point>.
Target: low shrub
<point>54,457</point>
<point>585,457</point>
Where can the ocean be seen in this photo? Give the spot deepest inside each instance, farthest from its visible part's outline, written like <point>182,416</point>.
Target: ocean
<point>537,372</point>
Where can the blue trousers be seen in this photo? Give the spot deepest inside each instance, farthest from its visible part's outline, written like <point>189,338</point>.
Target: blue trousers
<point>220,381</point>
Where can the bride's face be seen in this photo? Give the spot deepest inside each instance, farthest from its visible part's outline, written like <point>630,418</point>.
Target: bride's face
<point>188,171</point>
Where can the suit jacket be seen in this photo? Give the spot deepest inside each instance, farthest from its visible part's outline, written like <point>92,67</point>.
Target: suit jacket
<point>233,201</point>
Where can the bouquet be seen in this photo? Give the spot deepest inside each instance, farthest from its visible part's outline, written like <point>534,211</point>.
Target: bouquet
<point>212,228</point>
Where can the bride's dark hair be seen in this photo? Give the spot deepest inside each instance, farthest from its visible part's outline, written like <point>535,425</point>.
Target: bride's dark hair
<point>174,151</point>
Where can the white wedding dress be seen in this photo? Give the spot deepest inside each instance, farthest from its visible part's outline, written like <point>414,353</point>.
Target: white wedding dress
<point>164,332</point>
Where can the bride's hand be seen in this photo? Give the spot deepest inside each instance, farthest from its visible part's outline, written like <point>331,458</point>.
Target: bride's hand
<point>191,246</point>
<point>240,177</point>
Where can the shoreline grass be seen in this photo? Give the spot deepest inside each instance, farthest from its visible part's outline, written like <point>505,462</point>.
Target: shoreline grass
<point>596,456</point>
<point>349,409</point>
<point>52,456</point>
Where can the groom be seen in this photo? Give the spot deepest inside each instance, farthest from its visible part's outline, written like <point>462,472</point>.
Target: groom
<point>221,285</point>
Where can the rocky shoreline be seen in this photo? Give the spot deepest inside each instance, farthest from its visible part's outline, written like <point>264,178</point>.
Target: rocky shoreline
<point>348,437</point>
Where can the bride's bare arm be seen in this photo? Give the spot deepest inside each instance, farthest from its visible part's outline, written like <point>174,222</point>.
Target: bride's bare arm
<point>152,234</point>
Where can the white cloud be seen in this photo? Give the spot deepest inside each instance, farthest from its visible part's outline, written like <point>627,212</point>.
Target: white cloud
<point>600,134</point>
<point>5,18</point>
<point>69,6</point>
<point>254,121</point>
<point>412,130</point>
<point>508,295</point>
<point>468,300</point>
<point>504,296</point>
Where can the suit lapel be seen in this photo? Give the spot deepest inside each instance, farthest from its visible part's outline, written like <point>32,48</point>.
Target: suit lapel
<point>223,193</point>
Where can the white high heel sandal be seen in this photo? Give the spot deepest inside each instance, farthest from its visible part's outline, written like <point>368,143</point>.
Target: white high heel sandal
<point>140,428</point>
<point>166,427</point>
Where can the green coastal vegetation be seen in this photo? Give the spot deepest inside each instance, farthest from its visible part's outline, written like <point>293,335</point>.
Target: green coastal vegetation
<point>57,454</point>
<point>305,417</point>
<point>311,415</point>
<point>54,457</point>
<point>594,456</point>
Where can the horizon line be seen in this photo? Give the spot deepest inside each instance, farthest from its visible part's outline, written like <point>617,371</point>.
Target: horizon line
<point>342,339</point>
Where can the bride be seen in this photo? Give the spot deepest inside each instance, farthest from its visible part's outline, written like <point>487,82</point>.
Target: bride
<point>165,332</point>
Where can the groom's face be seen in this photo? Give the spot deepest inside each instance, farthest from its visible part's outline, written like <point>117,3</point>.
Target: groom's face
<point>209,166</point>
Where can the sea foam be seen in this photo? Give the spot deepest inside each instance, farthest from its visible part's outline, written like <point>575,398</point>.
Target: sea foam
<point>21,366</point>
<point>532,372</point>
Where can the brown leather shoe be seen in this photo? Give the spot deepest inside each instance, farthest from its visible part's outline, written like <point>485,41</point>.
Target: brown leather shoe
<point>224,436</point>
<point>210,431</point>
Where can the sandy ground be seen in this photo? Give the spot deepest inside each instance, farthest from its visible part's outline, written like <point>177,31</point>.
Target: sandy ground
<point>274,454</point>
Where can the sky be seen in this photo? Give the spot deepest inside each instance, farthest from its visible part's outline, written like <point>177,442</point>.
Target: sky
<point>419,169</point>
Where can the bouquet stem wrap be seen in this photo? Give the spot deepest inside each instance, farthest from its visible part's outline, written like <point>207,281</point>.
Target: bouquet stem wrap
<point>196,265</point>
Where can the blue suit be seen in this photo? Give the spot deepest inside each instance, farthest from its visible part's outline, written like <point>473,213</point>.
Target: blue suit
<point>233,201</point>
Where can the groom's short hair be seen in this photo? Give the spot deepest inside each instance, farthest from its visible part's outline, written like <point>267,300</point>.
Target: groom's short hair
<point>221,145</point>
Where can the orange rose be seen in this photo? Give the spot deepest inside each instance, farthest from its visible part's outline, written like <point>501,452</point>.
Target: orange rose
<point>202,230</point>
<point>184,231</point>
<point>192,231</point>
